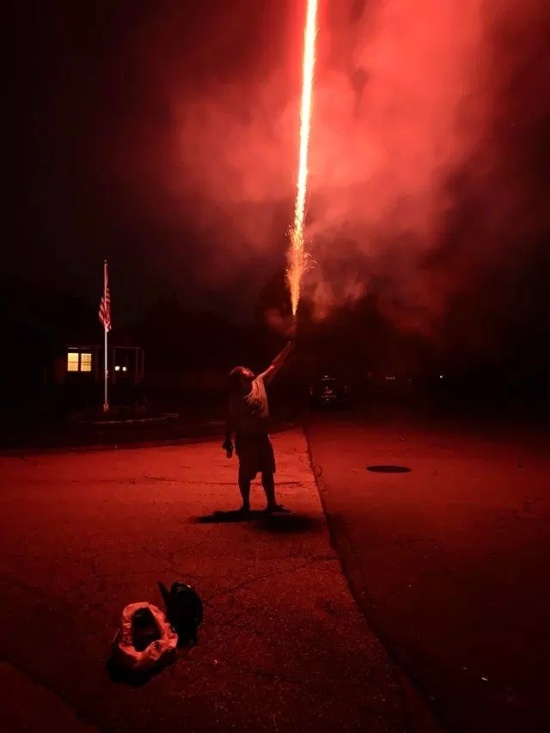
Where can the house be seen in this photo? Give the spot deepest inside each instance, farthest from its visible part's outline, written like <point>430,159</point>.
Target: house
<point>78,369</point>
<point>83,361</point>
<point>53,350</point>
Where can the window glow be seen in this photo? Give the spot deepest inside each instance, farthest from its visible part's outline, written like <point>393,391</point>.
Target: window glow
<point>72,361</point>
<point>79,362</point>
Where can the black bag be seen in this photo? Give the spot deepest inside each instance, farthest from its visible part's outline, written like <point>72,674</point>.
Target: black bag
<point>183,610</point>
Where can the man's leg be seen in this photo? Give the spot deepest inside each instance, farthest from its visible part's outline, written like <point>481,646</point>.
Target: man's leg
<point>244,487</point>
<point>268,482</point>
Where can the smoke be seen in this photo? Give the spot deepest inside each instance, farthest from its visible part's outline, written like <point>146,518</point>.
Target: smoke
<point>426,182</point>
<point>418,161</point>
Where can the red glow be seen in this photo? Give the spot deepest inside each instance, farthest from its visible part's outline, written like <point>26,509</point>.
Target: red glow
<point>298,255</point>
<point>418,160</point>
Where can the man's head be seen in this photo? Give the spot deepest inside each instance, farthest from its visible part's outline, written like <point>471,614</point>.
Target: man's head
<point>241,377</point>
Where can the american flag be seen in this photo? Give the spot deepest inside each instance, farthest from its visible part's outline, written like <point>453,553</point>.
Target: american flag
<point>105,305</point>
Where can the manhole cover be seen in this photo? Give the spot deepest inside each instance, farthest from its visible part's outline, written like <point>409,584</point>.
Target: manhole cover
<point>389,469</point>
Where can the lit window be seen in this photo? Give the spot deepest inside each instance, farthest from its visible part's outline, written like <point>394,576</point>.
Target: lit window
<point>79,362</point>
<point>85,362</point>
<point>72,361</point>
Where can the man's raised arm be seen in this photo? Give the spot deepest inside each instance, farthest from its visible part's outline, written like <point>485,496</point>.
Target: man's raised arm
<point>277,363</point>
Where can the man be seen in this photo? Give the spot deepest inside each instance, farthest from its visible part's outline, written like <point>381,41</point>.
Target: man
<point>247,417</point>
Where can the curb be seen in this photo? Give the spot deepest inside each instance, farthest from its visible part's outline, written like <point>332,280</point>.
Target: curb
<point>420,716</point>
<point>98,447</point>
<point>131,421</point>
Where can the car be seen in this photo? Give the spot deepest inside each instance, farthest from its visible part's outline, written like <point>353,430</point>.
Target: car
<point>329,392</point>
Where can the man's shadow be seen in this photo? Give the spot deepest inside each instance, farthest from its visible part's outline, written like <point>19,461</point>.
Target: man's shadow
<point>264,521</point>
<point>227,517</point>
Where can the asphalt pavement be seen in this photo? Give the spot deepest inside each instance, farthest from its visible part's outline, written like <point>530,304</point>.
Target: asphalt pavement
<point>283,646</point>
<point>89,434</point>
<point>114,430</point>
<point>443,529</point>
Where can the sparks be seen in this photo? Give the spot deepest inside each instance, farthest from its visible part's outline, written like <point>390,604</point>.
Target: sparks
<point>297,256</point>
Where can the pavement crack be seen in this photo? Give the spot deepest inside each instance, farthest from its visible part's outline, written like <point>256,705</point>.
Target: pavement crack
<point>169,557</point>
<point>257,578</point>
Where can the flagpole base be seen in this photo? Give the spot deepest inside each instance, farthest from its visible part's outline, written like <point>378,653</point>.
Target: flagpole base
<point>105,407</point>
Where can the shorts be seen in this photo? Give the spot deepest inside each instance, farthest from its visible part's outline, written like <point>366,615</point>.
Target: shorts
<point>255,455</point>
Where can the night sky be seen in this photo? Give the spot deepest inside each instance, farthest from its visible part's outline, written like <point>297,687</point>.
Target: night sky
<point>164,136</point>
<point>95,89</point>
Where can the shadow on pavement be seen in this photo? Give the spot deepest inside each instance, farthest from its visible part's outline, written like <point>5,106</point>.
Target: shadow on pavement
<point>389,469</point>
<point>262,521</point>
<point>288,523</point>
<point>132,679</point>
<point>233,515</point>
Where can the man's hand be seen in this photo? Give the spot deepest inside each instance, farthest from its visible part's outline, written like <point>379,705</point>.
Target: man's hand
<point>228,447</point>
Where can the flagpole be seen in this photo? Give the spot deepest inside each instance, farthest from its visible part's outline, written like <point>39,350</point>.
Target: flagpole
<point>105,347</point>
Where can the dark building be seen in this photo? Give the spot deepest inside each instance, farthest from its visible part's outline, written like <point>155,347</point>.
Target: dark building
<point>53,355</point>
<point>77,371</point>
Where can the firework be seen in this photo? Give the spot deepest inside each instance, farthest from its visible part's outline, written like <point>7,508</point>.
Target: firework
<point>297,256</point>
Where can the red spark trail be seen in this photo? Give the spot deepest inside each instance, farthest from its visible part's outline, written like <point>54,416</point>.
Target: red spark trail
<point>297,256</point>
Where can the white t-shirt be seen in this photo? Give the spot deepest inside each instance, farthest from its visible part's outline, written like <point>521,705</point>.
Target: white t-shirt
<point>251,411</point>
